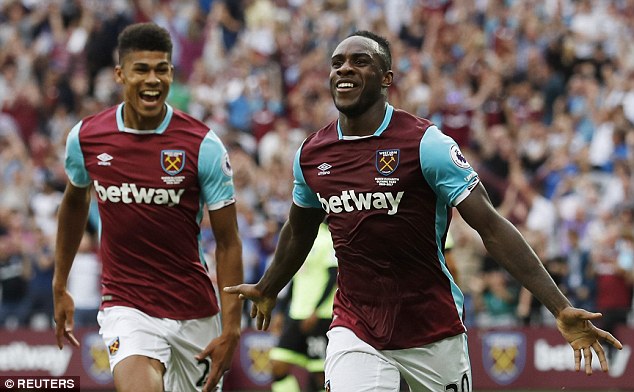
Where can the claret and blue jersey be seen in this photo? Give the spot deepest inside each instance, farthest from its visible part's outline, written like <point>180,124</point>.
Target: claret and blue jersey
<point>388,199</point>
<point>151,187</point>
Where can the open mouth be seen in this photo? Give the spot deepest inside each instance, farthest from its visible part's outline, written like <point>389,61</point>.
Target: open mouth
<point>345,86</point>
<point>150,96</point>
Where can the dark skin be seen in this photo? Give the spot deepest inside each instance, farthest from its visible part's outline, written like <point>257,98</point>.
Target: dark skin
<point>362,109</point>
<point>142,73</point>
<point>361,106</point>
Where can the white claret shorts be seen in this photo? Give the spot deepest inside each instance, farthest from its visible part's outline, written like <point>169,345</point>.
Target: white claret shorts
<point>127,331</point>
<point>354,365</point>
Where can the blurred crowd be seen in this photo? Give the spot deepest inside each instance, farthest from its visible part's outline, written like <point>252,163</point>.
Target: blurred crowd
<point>538,93</point>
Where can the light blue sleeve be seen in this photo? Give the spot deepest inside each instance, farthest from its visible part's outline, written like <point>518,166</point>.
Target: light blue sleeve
<point>445,168</point>
<point>214,173</point>
<point>74,164</point>
<point>303,196</point>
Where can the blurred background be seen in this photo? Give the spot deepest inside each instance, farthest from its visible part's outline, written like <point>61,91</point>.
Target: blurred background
<point>539,94</point>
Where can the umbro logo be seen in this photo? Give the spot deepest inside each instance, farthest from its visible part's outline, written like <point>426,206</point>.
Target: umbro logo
<point>323,169</point>
<point>104,159</point>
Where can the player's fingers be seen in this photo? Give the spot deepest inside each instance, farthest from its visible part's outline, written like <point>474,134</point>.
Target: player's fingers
<point>239,289</point>
<point>214,378</point>
<point>59,334</point>
<point>232,289</point>
<point>608,337</point>
<point>267,322</point>
<point>70,336</point>
<point>201,357</point>
<point>260,320</point>
<point>601,354</point>
<point>586,315</point>
<point>254,310</point>
<point>244,292</point>
<point>587,359</point>
<point>577,360</point>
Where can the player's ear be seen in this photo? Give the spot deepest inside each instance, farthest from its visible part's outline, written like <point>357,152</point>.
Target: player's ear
<point>388,78</point>
<point>118,74</point>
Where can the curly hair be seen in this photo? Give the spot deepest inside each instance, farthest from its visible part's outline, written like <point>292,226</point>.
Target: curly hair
<point>144,36</point>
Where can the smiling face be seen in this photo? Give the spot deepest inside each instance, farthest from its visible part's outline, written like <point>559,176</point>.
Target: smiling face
<point>358,80</point>
<point>146,77</point>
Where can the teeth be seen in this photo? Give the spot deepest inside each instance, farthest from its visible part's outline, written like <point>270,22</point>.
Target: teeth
<point>151,93</point>
<point>345,85</point>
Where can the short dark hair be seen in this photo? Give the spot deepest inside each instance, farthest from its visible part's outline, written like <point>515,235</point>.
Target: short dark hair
<point>384,45</point>
<point>144,36</point>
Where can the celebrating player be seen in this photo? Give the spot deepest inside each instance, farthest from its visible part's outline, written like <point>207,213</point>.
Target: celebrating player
<point>388,181</point>
<point>153,169</point>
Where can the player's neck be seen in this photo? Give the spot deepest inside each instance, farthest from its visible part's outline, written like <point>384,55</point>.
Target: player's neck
<point>363,124</point>
<point>134,120</point>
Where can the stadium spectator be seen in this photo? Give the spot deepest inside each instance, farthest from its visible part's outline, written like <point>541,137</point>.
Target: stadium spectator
<point>44,204</point>
<point>579,278</point>
<point>280,143</point>
<point>84,281</point>
<point>230,15</point>
<point>612,263</point>
<point>496,297</point>
<point>14,272</point>
<point>39,307</point>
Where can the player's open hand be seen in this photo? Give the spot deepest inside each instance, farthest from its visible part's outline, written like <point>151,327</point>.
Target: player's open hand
<point>262,305</point>
<point>575,326</point>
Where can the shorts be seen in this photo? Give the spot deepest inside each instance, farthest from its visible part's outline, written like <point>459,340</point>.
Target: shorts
<point>127,331</point>
<point>304,350</point>
<point>354,365</point>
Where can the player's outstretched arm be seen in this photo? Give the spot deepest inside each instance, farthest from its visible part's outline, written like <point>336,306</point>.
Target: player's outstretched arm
<point>507,246</point>
<point>296,240</point>
<point>72,218</point>
<point>575,326</point>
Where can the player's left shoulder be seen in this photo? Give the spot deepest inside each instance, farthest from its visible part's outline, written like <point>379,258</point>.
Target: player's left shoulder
<point>181,117</point>
<point>410,124</point>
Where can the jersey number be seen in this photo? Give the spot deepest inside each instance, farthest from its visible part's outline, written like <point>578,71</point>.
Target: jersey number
<point>464,385</point>
<point>203,378</point>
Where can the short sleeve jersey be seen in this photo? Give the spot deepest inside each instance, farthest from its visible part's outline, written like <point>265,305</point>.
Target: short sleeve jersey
<point>388,199</point>
<point>151,187</point>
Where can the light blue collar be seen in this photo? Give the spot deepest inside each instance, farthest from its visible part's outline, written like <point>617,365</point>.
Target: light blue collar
<point>161,128</point>
<point>379,130</point>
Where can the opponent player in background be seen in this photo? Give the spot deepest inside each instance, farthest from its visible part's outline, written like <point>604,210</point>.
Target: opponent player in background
<point>153,169</point>
<point>303,341</point>
<point>388,181</point>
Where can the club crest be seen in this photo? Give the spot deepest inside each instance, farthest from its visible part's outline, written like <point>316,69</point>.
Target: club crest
<point>387,161</point>
<point>113,347</point>
<point>254,356</point>
<point>504,355</point>
<point>172,161</point>
<point>94,358</point>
